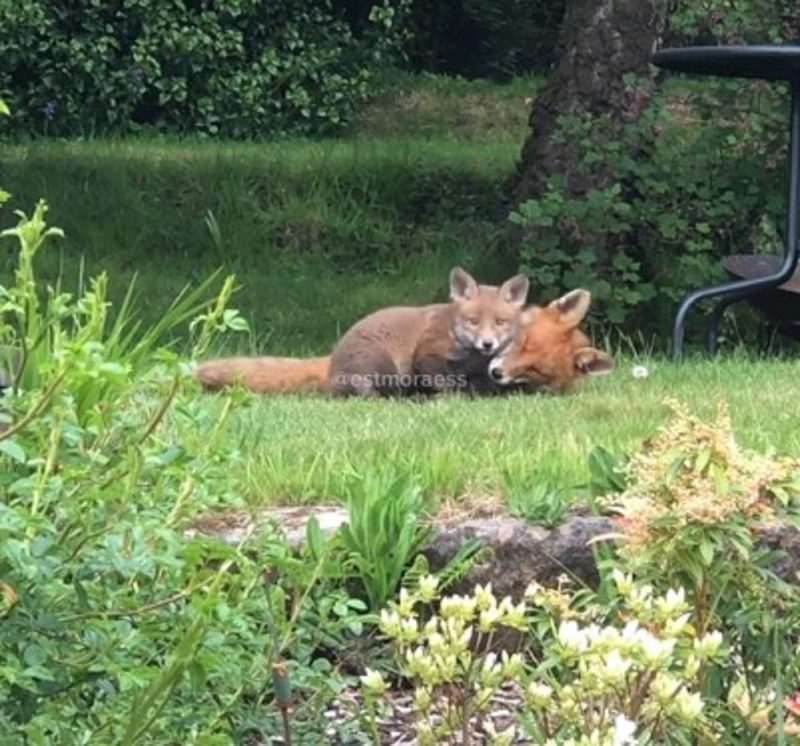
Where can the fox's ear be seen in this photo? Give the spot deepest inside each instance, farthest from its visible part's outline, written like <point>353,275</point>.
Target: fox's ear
<point>591,362</point>
<point>573,306</point>
<point>462,285</point>
<point>515,290</point>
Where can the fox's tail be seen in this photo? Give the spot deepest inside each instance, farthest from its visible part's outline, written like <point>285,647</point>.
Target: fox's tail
<point>265,375</point>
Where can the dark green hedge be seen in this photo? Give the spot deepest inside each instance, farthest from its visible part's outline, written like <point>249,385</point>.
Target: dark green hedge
<point>239,68</point>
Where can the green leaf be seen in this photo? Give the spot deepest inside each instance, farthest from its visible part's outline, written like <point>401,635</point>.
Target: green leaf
<point>13,450</point>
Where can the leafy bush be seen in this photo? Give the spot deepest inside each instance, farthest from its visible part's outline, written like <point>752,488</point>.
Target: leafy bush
<point>691,514</point>
<point>114,625</point>
<point>239,68</point>
<point>698,176</point>
<point>628,669</point>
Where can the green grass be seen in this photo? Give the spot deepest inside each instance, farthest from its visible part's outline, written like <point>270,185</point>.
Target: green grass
<point>437,106</point>
<point>321,233</point>
<point>318,233</point>
<point>300,448</point>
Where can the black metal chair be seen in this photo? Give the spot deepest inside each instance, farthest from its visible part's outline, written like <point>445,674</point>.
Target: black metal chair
<point>756,278</point>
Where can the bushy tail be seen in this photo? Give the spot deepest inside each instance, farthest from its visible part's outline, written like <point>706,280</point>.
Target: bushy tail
<point>265,375</point>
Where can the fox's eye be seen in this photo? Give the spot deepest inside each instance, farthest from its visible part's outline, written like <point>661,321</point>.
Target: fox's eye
<point>501,322</point>
<point>473,321</point>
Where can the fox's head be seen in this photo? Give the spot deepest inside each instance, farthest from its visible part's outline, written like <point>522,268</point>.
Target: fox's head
<point>551,352</point>
<point>486,317</point>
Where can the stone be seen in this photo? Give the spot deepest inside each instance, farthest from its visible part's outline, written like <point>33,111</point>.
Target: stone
<point>518,552</point>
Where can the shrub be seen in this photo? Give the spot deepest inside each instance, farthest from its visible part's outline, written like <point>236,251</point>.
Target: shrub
<point>691,514</point>
<point>602,673</point>
<point>115,627</point>
<point>239,68</point>
<point>698,176</point>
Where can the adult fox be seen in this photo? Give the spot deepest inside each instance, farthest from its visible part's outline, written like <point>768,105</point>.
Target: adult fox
<point>551,352</point>
<point>403,349</point>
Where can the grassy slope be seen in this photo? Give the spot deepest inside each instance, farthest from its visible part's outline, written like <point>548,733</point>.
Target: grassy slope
<point>318,233</point>
<point>301,447</point>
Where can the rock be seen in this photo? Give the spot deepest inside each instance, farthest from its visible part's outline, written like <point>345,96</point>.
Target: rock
<point>519,552</point>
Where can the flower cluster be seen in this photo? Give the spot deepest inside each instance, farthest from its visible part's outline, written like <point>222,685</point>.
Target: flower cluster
<point>695,473</point>
<point>637,673</point>
<point>605,673</point>
<point>449,657</point>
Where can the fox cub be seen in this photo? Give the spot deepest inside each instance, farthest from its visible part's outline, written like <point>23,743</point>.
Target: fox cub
<point>427,349</point>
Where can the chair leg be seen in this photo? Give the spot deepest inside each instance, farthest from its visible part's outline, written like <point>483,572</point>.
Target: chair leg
<point>715,320</point>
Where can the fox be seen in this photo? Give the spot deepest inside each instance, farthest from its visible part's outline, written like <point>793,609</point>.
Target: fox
<point>397,350</point>
<point>418,350</point>
<point>551,353</point>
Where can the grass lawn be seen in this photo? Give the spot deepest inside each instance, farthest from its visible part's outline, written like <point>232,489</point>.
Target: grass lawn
<point>322,233</point>
<point>319,233</point>
<point>301,448</point>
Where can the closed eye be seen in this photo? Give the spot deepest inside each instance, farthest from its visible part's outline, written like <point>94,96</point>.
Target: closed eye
<point>536,371</point>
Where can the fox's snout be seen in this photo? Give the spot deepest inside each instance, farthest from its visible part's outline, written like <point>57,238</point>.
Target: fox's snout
<point>496,371</point>
<point>487,345</point>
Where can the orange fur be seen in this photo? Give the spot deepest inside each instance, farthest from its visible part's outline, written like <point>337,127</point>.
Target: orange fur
<point>551,352</point>
<point>266,375</point>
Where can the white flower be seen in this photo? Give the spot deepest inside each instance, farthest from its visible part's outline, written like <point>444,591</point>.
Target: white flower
<point>640,371</point>
<point>428,585</point>
<point>692,667</point>
<point>436,643</point>
<point>512,664</point>
<point>513,616</point>
<point>489,618</point>
<point>614,668</point>
<point>623,582</point>
<point>422,699</point>
<point>673,603</point>
<point>373,682</point>
<point>406,603</point>
<point>571,637</point>
<point>533,590</point>
<point>656,652</point>
<point>539,695</point>
<point>664,687</point>
<point>674,627</point>
<point>624,731</point>
<point>708,645</point>
<point>390,623</point>
<point>484,597</point>
<point>409,630</point>
<point>687,707</point>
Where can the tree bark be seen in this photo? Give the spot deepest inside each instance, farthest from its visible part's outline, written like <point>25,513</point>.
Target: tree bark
<point>601,41</point>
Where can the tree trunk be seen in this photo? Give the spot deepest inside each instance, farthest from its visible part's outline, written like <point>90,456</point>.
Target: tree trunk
<point>601,41</point>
